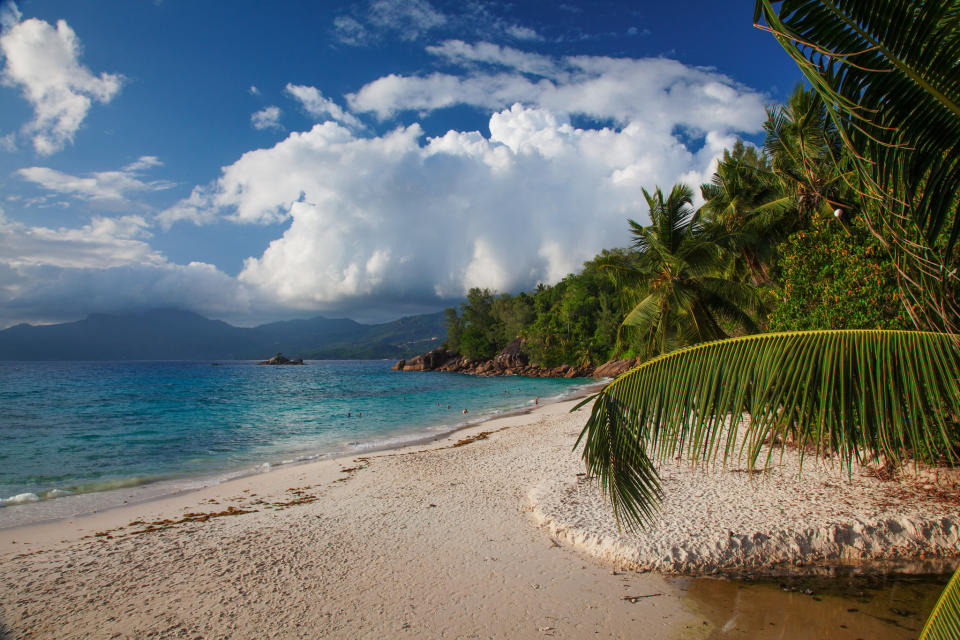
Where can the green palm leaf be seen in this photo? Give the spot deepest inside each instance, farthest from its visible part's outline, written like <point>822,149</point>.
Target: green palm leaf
<point>849,393</point>
<point>944,620</point>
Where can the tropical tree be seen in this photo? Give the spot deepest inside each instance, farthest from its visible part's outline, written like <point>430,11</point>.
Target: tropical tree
<point>745,201</point>
<point>887,75</point>
<point>676,279</point>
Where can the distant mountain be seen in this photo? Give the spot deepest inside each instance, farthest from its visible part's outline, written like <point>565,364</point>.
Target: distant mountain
<point>167,334</point>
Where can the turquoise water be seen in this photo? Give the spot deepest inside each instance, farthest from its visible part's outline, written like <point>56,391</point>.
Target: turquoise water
<point>69,428</point>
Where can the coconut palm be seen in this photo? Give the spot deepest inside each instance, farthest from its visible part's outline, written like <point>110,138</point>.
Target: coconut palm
<point>745,200</point>
<point>887,75</point>
<point>807,153</point>
<point>675,281</point>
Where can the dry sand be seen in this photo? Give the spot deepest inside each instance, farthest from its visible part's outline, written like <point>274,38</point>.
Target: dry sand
<point>786,520</point>
<point>414,543</point>
<point>436,541</point>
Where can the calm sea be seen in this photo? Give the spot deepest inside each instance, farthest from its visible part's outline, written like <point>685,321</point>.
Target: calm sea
<point>75,435</point>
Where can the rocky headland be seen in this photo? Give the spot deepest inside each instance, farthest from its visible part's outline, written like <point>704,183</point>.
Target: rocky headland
<point>512,361</point>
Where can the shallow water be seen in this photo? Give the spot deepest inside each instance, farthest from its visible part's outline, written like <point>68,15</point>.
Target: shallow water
<point>852,607</point>
<point>73,429</point>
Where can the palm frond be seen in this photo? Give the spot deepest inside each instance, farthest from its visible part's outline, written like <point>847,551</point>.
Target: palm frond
<point>852,393</point>
<point>943,623</point>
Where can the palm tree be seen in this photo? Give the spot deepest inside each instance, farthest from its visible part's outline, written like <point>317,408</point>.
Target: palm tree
<point>678,291</point>
<point>745,201</point>
<point>887,75</point>
<point>807,153</point>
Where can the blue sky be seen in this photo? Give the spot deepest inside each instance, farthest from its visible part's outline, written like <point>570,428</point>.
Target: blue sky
<point>256,161</point>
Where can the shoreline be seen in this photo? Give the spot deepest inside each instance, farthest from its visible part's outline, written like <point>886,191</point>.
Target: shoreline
<point>202,486</point>
<point>439,540</point>
<point>58,509</point>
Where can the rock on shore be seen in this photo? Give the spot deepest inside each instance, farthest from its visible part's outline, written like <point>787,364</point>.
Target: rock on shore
<point>512,361</point>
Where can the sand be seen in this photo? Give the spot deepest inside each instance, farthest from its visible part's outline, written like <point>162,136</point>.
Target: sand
<point>786,520</point>
<point>495,538</point>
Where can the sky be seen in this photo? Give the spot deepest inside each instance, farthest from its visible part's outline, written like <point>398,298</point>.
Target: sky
<point>255,161</point>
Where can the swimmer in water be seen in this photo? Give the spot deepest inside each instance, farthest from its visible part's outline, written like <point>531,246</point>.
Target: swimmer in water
<point>464,411</point>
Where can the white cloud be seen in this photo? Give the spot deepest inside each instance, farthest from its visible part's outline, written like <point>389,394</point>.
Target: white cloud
<point>8,142</point>
<point>266,118</point>
<point>522,33</point>
<point>253,90</point>
<point>460,53</point>
<point>405,19</point>
<point>43,62</point>
<point>103,243</point>
<point>369,23</point>
<point>49,274</point>
<point>408,18</point>
<point>652,90</point>
<point>350,31</point>
<point>314,103</point>
<point>104,187</point>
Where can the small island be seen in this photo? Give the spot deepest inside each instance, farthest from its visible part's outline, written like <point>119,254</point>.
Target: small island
<point>280,359</point>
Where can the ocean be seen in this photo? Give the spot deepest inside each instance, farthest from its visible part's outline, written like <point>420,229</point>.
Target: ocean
<point>82,436</point>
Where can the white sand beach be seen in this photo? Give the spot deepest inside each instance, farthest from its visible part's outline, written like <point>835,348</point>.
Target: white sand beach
<point>489,533</point>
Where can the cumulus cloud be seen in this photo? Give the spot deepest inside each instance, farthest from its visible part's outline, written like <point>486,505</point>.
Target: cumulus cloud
<point>107,188</point>
<point>43,62</point>
<point>266,118</point>
<point>314,103</point>
<point>395,217</point>
<point>401,218</point>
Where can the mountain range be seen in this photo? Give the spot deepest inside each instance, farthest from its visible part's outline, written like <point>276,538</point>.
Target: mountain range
<point>170,334</point>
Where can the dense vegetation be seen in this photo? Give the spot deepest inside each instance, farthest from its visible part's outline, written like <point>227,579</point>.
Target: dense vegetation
<point>779,243</point>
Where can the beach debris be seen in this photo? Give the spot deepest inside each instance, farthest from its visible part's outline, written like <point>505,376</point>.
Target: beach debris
<point>483,435</point>
<point>635,599</point>
<point>554,543</point>
<point>546,629</point>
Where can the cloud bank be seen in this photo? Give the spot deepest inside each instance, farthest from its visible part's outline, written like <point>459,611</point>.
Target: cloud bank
<point>49,274</point>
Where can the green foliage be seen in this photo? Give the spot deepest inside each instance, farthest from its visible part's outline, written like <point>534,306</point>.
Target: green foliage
<point>576,320</point>
<point>479,327</point>
<point>836,277</point>
<point>573,322</point>
<point>886,73</point>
